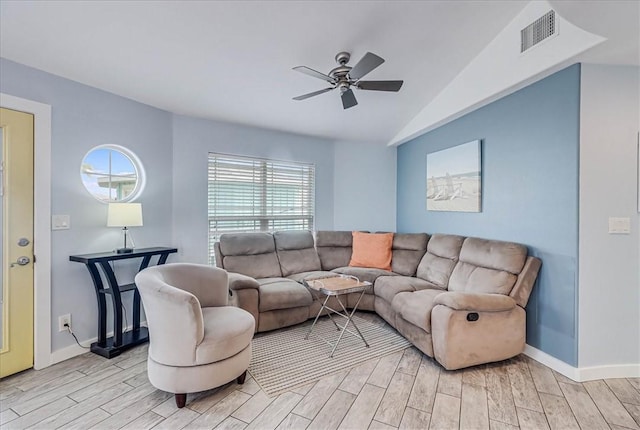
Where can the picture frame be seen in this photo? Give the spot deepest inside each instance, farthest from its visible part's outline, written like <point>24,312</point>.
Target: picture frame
<point>454,178</point>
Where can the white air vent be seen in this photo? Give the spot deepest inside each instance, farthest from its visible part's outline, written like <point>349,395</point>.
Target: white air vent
<point>539,30</point>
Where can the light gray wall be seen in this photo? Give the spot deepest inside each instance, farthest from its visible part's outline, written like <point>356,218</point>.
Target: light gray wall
<point>173,150</point>
<point>365,187</point>
<point>83,117</point>
<point>194,138</point>
<point>609,291</point>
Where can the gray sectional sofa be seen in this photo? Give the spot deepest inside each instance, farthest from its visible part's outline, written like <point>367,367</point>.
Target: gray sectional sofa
<point>458,299</point>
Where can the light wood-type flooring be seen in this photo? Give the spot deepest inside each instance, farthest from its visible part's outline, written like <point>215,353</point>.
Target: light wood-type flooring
<point>405,390</point>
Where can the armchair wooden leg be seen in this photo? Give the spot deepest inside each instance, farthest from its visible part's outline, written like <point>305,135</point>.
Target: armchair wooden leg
<point>181,400</point>
<point>242,377</point>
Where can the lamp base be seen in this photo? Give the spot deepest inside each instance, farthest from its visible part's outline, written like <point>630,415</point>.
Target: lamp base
<point>126,241</point>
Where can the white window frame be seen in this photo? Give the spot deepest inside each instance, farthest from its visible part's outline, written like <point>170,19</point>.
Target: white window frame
<point>258,179</point>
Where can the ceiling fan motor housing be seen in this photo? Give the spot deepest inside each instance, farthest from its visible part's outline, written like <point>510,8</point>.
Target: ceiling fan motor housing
<point>340,72</point>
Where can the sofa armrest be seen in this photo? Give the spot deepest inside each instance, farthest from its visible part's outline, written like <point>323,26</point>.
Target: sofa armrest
<point>526,279</point>
<point>475,302</point>
<point>238,281</point>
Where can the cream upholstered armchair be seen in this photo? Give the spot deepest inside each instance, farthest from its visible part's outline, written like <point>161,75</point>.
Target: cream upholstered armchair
<point>197,342</point>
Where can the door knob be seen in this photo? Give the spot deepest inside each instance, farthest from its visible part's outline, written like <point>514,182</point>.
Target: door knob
<point>21,261</point>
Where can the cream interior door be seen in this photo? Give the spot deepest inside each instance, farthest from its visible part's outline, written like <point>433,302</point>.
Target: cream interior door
<point>16,318</point>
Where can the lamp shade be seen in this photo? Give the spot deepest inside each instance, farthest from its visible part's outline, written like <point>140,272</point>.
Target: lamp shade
<point>124,215</point>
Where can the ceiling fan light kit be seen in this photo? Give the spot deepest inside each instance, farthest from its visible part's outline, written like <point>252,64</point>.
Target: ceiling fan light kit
<point>345,77</point>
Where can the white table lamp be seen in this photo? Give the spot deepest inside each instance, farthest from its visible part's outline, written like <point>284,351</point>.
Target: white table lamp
<point>125,215</point>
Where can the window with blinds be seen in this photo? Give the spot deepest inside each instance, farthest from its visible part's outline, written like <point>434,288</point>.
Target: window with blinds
<point>253,194</point>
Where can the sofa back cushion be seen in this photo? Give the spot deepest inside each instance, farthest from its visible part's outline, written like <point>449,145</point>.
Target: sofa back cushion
<point>296,252</point>
<point>408,249</point>
<point>487,266</point>
<point>251,254</point>
<point>334,248</point>
<point>443,251</point>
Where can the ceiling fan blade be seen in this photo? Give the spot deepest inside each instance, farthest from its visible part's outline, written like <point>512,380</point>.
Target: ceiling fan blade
<point>380,85</point>
<point>348,99</point>
<point>315,93</point>
<point>314,73</point>
<point>365,65</point>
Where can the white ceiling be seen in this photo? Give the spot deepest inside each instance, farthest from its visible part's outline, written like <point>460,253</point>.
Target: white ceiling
<point>232,61</point>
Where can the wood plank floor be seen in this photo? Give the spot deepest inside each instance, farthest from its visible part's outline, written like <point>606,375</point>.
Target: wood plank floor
<point>401,391</point>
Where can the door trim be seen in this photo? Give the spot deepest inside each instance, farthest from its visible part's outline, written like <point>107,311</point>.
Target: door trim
<point>42,224</point>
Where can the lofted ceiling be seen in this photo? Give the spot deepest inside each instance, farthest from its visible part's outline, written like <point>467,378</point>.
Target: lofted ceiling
<point>232,60</point>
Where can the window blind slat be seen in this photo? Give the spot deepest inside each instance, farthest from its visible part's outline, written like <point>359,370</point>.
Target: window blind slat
<point>250,194</point>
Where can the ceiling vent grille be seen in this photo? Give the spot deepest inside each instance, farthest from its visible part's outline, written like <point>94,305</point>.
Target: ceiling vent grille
<point>539,30</point>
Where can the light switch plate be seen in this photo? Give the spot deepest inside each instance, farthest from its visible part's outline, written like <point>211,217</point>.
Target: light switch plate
<point>619,225</point>
<point>60,222</point>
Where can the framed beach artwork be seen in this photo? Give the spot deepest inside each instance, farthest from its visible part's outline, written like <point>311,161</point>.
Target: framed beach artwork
<point>454,178</point>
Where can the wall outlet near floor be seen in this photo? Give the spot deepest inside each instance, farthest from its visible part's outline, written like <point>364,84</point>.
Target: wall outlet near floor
<point>62,320</point>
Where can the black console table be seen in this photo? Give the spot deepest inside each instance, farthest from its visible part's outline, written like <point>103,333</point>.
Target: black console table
<point>113,346</point>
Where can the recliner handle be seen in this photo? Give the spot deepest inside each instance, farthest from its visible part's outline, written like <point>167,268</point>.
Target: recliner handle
<point>472,316</point>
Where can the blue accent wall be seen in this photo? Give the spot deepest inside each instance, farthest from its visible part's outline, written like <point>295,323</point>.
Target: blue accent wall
<point>530,158</point>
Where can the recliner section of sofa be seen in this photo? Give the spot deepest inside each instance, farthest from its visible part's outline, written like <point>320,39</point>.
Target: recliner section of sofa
<point>273,300</point>
<point>432,273</point>
<point>458,299</point>
<point>475,320</point>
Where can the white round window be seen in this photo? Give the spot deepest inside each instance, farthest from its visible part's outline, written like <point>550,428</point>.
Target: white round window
<point>112,173</point>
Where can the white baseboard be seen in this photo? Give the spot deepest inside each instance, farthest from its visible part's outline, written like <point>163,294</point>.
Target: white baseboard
<point>611,371</point>
<point>69,352</point>
<point>75,350</point>
<point>552,362</point>
<point>582,374</point>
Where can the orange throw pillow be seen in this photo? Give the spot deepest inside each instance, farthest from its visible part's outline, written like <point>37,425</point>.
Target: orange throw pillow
<point>372,250</point>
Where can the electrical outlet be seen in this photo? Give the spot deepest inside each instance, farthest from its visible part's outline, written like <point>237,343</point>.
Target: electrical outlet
<point>62,320</point>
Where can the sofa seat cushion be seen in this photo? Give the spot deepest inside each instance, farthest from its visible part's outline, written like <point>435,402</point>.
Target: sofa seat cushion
<point>387,287</point>
<point>365,274</point>
<point>282,293</point>
<point>416,307</point>
<point>309,276</point>
<point>227,331</point>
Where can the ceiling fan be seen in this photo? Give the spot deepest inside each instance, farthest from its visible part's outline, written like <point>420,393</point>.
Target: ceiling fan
<point>345,77</point>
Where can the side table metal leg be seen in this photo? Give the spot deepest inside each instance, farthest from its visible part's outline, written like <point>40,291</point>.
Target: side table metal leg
<point>331,311</point>
<point>350,319</point>
<point>339,338</point>
<point>317,316</point>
